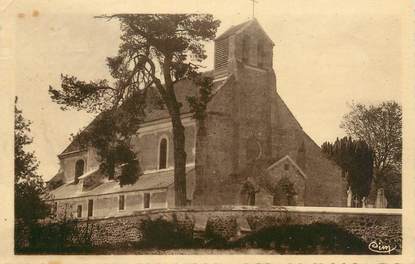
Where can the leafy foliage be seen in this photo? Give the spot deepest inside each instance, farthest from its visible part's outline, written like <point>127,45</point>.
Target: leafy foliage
<point>315,238</point>
<point>161,233</point>
<point>198,104</point>
<point>219,230</point>
<point>380,126</point>
<point>62,236</point>
<point>29,186</point>
<point>392,184</point>
<point>156,51</point>
<point>109,135</point>
<point>355,158</point>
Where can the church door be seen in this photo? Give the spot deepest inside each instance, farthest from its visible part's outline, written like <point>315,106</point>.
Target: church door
<point>284,193</point>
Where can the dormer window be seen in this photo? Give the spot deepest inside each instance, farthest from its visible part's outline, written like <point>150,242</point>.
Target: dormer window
<point>163,153</point>
<point>79,169</point>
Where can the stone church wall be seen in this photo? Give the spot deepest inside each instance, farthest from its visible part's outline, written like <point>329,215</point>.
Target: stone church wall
<point>253,114</point>
<point>325,185</point>
<point>147,147</point>
<point>215,147</point>
<point>248,108</point>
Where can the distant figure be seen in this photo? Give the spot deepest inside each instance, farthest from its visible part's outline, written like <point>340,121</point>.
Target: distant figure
<point>349,197</point>
<point>381,201</point>
<point>356,201</point>
<point>364,202</point>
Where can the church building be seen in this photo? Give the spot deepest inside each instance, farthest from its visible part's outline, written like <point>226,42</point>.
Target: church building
<point>250,149</point>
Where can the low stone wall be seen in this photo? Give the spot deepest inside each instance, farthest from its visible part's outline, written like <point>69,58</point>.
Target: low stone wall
<point>367,223</point>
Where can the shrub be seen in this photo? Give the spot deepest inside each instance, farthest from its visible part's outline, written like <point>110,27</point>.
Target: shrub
<point>257,222</point>
<point>219,230</point>
<point>64,236</point>
<point>306,239</point>
<point>165,234</point>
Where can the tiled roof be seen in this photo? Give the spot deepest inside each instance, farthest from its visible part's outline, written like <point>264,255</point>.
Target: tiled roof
<point>183,89</point>
<point>238,28</point>
<point>59,176</point>
<point>232,30</point>
<point>148,181</point>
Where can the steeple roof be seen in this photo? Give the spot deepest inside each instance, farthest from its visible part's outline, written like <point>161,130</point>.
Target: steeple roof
<point>241,27</point>
<point>233,30</point>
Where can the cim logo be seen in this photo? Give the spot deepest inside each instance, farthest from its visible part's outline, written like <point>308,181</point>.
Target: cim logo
<point>378,246</point>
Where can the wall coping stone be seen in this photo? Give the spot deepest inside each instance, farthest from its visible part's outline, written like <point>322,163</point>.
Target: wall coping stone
<point>285,209</point>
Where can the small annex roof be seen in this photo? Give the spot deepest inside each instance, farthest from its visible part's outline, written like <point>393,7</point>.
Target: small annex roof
<point>292,162</point>
<point>59,176</point>
<point>149,181</point>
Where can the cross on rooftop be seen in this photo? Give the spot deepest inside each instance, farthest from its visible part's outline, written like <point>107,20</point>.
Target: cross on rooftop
<point>253,7</point>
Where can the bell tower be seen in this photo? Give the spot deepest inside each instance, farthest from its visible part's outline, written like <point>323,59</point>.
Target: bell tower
<point>247,44</point>
<point>236,144</point>
<point>245,52</point>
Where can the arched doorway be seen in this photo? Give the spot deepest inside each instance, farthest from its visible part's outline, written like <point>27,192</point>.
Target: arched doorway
<point>284,193</point>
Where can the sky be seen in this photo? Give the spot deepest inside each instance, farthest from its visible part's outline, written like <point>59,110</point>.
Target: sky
<point>327,55</point>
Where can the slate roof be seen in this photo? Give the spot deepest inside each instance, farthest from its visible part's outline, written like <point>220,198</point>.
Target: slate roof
<point>148,181</point>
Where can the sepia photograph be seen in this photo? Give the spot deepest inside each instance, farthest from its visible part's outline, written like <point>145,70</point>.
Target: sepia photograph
<point>250,127</point>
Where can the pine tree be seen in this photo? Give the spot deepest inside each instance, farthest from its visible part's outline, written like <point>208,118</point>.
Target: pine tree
<point>156,52</point>
<point>355,158</point>
<point>30,190</point>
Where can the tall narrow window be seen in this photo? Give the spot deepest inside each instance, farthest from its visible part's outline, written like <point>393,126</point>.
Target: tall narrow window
<point>163,154</point>
<point>121,202</point>
<point>260,53</point>
<point>90,207</point>
<point>146,200</point>
<point>251,198</point>
<point>245,48</point>
<point>79,170</point>
<point>55,208</point>
<point>79,211</point>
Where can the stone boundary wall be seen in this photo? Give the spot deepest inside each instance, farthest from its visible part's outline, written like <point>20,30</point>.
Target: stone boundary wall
<point>370,224</point>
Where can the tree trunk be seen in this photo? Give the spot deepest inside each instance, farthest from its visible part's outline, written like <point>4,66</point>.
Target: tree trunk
<point>173,106</point>
<point>179,160</point>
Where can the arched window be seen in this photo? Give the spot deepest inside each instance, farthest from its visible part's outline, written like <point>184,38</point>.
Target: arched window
<point>253,149</point>
<point>245,48</point>
<point>79,169</point>
<point>163,153</point>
